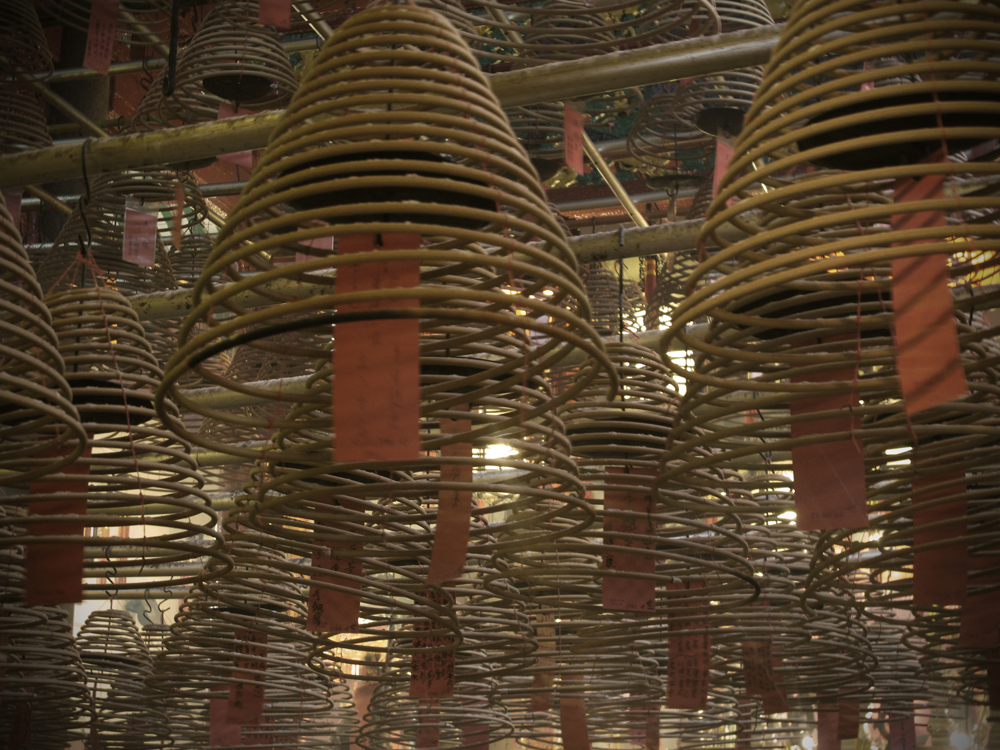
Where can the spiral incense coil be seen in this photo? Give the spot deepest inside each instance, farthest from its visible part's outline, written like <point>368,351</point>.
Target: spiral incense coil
<point>22,120</point>
<point>98,226</point>
<point>23,47</point>
<point>670,287</point>
<point>153,637</point>
<point>137,19</point>
<point>873,110</point>
<point>463,185</point>
<point>39,426</point>
<point>567,30</point>
<point>612,301</point>
<point>140,479</point>
<point>43,684</point>
<point>540,129</point>
<point>117,664</point>
<point>718,102</point>
<point>232,59</point>
<point>666,146</point>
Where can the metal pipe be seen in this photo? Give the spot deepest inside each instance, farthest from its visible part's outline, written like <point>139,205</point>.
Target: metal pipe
<point>315,21</point>
<point>612,181</point>
<point>556,81</point>
<point>42,195</point>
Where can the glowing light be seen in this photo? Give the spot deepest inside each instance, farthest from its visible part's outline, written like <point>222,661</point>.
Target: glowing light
<point>788,515</point>
<point>897,451</point>
<point>499,450</point>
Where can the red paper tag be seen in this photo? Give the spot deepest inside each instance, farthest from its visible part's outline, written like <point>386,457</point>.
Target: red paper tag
<point>239,158</point>
<point>776,702</point>
<point>573,139</point>
<point>573,715</point>
<point>101,35</point>
<point>848,718</point>
<point>980,618</point>
<point>476,737</point>
<point>940,574</point>
<point>828,726</point>
<point>432,673</point>
<point>220,731</point>
<point>53,573</point>
<point>246,693</point>
<point>723,155</point>
<point>320,243</point>
<point>689,659</point>
<point>902,734</point>
<point>277,13</point>
<point>428,726</point>
<point>451,534</point>
<point>637,725</point>
<point>830,491</point>
<point>623,593</point>
<point>653,727</point>
<point>927,350</point>
<point>53,40</point>
<point>139,242</point>
<point>376,363</point>
<point>13,201</point>
<point>332,611</point>
<point>759,678</point>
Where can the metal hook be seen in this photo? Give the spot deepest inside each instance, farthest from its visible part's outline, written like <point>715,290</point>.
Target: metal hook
<point>146,83</point>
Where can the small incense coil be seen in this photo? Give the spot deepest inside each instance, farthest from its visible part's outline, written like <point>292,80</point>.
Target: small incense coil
<point>22,120</point>
<point>670,286</point>
<point>260,597</point>
<point>233,59</point>
<point>98,225</point>
<point>153,637</point>
<point>897,675</point>
<point>540,129</point>
<point>37,417</point>
<point>141,478</point>
<point>23,47</point>
<point>504,40</point>
<point>137,19</point>
<point>427,179</point>
<point>667,147</point>
<point>611,303</point>
<point>718,102</point>
<point>43,682</point>
<point>117,664</point>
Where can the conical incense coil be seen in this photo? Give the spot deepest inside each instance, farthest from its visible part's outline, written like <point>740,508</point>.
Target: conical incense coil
<point>508,39</point>
<point>117,665</point>
<point>22,120</point>
<point>876,112</point>
<point>43,692</point>
<point>451,179</point>
<point>615,304</point>
<point>139,479</point>
<point>23,47</point>
<point>37,416</point>
<point>231,59</point>
<point>98,227</point>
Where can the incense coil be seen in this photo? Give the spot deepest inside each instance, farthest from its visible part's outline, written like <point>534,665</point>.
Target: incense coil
<point>43,684</point>
<point>540,129</point>
<point>718,102</point>
<point>22,120</point>
<point>37,417</point>
<point>470,221</point>
<point>505,40</point>
<point>139,477</point>
<point>117,664</point>
<point>611,303</point>
<point>232,58</point>
<point>853,104</point>
<point>666,146</point>
<point>138,20</point>
<point>23,47</point>
<point>97,227</point>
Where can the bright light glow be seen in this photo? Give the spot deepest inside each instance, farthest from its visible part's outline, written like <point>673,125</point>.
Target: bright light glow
<point>788,515</point>
<point>499,450</point>
<point>960,741</point>
<point>897,451</point>
<point>547,292</point>
<point>807,743</point>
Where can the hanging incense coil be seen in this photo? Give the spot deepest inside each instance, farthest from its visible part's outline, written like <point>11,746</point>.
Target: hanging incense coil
<point>140,479</point>
<point>539,128</point>
<point>569,31</point>
<point>97,226</point>
<point>43,693</point>
<point>39,426</point>
<point>667,147</point>
<point>23,47</point>
<point>117,665</point>
<point>232,59</point>
<point>138,20</point>
<point>718,102</point>
<point>611,301</point>
<point>471,208</point>
<point>22,120</point>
